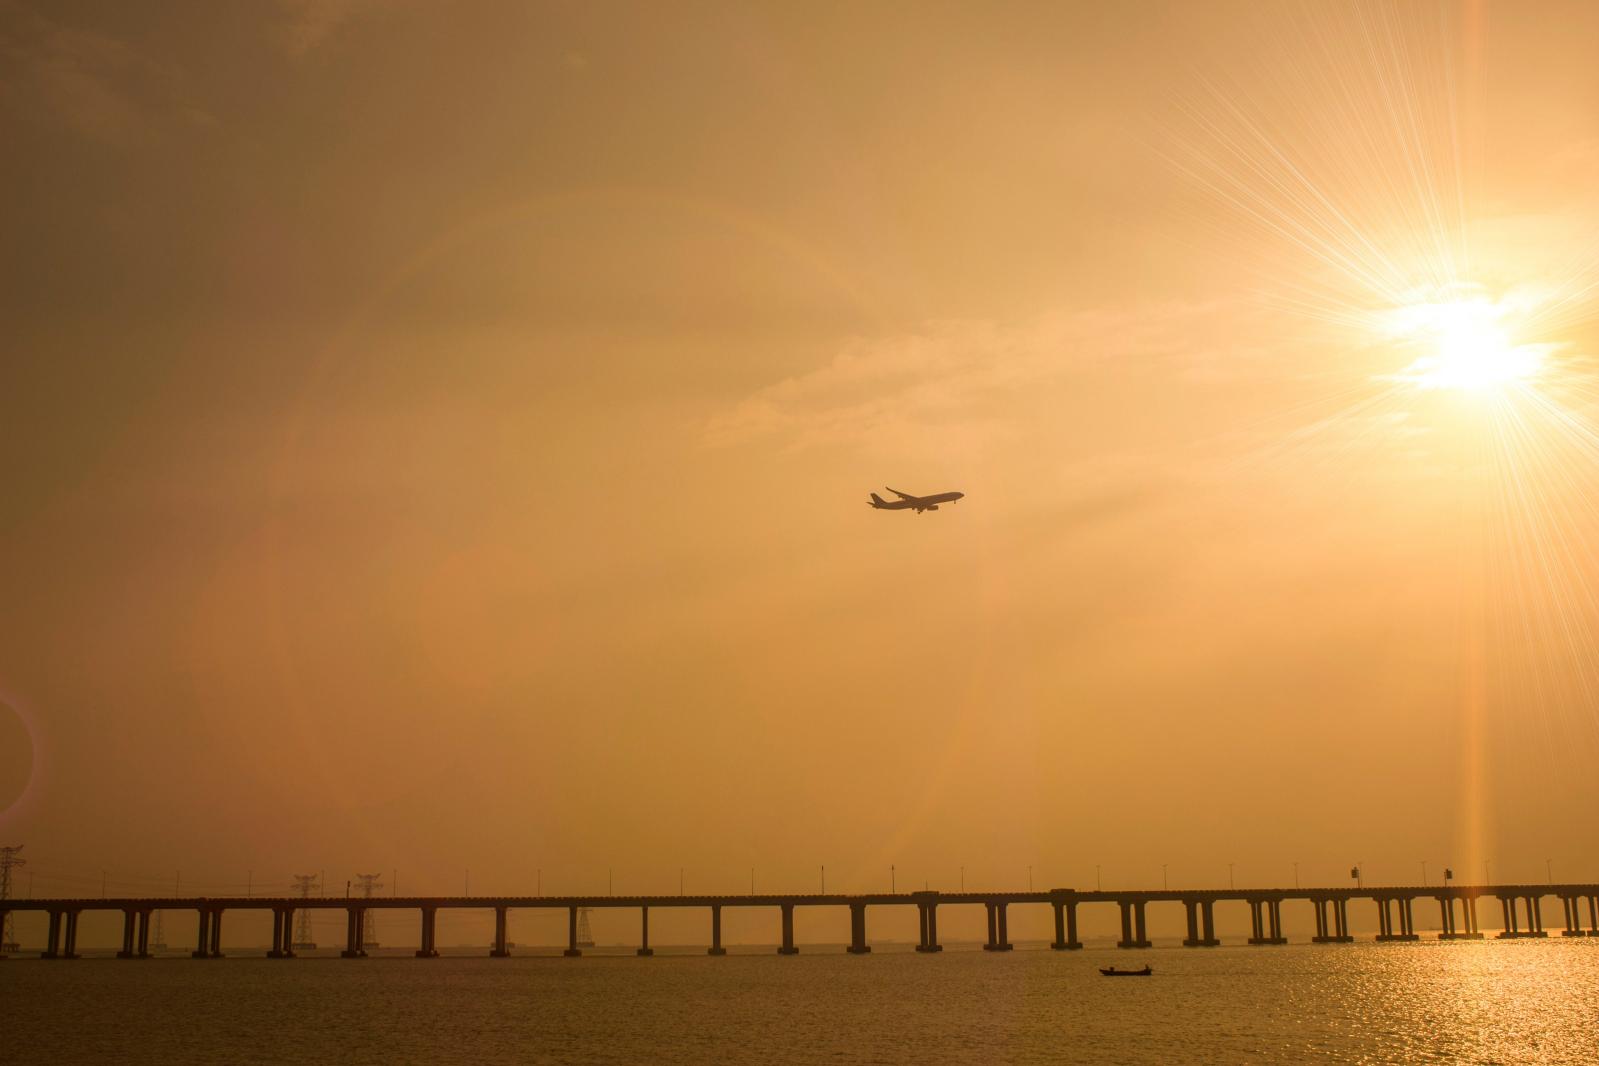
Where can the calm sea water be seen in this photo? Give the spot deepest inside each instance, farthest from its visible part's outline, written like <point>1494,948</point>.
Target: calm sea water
<point>1486,1002</point>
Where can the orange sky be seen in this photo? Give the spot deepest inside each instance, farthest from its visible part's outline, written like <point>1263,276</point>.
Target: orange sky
<point>438,437</point>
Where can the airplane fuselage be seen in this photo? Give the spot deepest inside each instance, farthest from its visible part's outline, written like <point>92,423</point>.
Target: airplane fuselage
<point>907,502</point>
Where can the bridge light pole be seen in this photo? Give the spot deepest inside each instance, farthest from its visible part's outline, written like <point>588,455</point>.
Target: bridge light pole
<point>892,883</point>
<point>1097,886</point>
<point>1029,879</point>
<point>1549,870</point>
<point>1424,873</point>
<point>1296,875</point>
<point>1230,884</point>
<point>1163,877</point>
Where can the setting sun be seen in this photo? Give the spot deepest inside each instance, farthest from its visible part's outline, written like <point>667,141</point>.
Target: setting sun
<point>1465,344</point>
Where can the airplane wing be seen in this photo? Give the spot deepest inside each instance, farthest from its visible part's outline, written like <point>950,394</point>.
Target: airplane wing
<point>902,495</point>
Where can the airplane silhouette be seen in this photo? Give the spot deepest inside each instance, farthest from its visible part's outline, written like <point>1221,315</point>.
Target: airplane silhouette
<point>916,503</point>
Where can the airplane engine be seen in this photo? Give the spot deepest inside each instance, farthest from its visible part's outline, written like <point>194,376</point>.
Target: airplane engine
<point>933,508</point>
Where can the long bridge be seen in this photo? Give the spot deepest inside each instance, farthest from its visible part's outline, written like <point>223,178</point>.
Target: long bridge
<point>1520,905</point>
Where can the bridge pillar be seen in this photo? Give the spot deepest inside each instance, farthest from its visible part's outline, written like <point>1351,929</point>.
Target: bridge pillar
<point>353,934</point>
<point>1065,926</point>
<point>857,930</point>
<point>1535,916</point>
<point>1333,928</point>
<point>1266,920</point>
<point>129,925</point>
<point>716,931</point>
<point>1201,933</point>
<point>1407,919</point>
<point>1385,919</point>
<point>788,947</point>
<point>929,928</point>
<point>428,948</point>
<point>52,938</point>
<point>1468,914</point>
<point>1593,915</point>
<point>288,932</point>
<point>1132,926</point>
<point>998,935</point>
<point>216,933</point>
<point>1573,918</point>
<point>70,949</point>
<point>143,948</point>
<point>276,951</point>
<point>1508,905</point>
<point>644,932</point>
<point>202,938</point>
<point>500,950</point>
<point>572,950</point>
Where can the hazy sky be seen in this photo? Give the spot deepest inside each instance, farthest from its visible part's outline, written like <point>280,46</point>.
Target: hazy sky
<point>437,436</point>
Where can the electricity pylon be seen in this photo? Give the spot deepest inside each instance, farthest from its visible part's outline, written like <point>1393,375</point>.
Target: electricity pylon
<point>303,884</point>
<point>369,926</point>
<point>9,860</point>
<point>585,938</point>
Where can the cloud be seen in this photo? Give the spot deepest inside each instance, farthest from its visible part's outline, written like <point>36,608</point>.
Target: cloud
<point>101,86</point>
<point>949,373</point>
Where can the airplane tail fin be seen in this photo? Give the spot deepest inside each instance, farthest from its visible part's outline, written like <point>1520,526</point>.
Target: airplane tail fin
<point>878,501</point>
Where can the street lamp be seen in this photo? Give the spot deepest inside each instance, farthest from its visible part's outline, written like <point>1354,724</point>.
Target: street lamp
<point>1296,875</point>
<point>1163,877</point>
<point>1230,884</point>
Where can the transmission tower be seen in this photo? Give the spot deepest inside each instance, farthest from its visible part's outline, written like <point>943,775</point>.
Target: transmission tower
<point>369,926</point>
<point>158,934</point>
<point>303,884</point>
<point>585,938</point>
<point>9,860</point>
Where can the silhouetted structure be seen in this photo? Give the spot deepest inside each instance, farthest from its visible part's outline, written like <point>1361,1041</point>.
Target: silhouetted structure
<point>303,884</point>
<point>1521,904</point>
<point>10,859</point>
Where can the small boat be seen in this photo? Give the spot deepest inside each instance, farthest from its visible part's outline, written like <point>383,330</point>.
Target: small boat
<point>1113,972</point>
